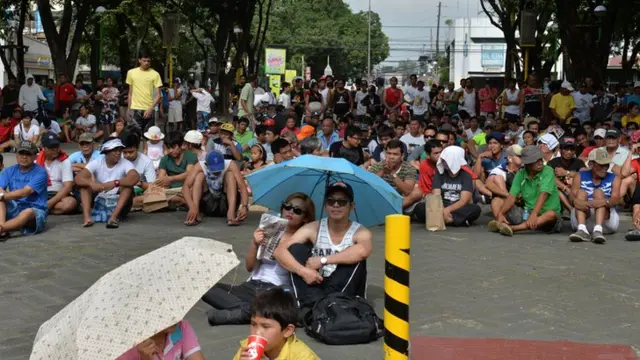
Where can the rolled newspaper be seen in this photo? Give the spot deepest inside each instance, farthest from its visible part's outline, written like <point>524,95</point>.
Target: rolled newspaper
<point>273,226</point>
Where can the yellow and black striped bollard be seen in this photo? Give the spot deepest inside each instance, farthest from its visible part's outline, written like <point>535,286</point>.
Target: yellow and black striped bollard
<point>397,246</point>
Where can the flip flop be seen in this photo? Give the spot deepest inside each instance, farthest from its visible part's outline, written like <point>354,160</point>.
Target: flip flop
<point>192,223</point>
<point>4,236</point>
<point>233,223</point>
<point>113,225</point>
<point>90,223</point>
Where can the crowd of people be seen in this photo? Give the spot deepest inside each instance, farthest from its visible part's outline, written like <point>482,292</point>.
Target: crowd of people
<point>535,154</point>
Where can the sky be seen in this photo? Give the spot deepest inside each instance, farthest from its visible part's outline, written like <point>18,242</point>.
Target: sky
<point>411,24</point>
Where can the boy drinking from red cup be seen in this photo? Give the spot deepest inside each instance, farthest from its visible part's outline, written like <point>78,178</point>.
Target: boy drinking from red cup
<point>272,330</point>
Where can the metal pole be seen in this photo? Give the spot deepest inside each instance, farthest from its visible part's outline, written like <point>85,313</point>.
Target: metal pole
<point>438,32</point>
<point>170,62</point>
<point>397,245</point>
<point>526,63</point>
<point>369,45</point>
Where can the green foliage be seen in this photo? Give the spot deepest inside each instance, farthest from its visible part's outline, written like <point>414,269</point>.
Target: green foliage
<point>321,28</point>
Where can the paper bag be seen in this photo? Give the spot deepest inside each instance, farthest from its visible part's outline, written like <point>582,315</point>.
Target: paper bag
<point>154,199</point>
<point>435,219</point>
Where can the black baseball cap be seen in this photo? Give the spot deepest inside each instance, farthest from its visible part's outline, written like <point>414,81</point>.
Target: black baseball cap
<point>614,133</point>
<point>50,140</point>
<point>339,186</point>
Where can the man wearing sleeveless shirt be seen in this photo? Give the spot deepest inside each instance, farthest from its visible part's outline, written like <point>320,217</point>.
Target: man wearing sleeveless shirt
<point>596,192</point>
<point>329,255</point>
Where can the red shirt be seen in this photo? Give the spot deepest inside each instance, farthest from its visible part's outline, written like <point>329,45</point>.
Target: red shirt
<point>488,105</point>
<point>393,96</point>
<point>6,131</point>
<point>587,151</point>
<point>636,165</point>
<point>425,180</point>
<point>65,92</point>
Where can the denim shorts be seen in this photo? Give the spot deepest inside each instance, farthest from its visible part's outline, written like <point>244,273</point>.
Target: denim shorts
<point>14,209</point>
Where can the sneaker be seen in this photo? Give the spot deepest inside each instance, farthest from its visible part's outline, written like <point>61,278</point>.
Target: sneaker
<point>505,229</point>
<point>580,236</point>
<point>494,226</point>
<point>633,235</point>
<point>598,238</point>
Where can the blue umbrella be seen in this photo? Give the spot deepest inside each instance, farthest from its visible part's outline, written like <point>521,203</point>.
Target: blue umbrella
<point>311,174</point>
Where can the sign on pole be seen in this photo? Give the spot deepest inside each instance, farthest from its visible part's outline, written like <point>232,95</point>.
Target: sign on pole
<point>289,75</point>
<point>274,84</point>
<point>275,61</point>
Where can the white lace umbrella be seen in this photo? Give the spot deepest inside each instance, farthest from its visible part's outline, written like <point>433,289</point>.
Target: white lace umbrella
<point>135,301</point>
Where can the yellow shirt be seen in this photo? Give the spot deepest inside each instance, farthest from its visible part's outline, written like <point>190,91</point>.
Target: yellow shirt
<point>143,84</point>
<point>563,105</point>
<point>293,349</point>
<point>626,119</point>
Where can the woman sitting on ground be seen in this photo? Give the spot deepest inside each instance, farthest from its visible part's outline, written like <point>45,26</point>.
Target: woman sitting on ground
<point>232,304</point>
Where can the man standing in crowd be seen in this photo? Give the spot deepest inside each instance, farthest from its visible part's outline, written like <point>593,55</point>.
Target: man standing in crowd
<point>328,255</point>
<point>487,96</point>
<point>421,101</point>
<point>107,183</point>
<point>175,106</point>
<point>23,194</point>
<point>583,101</point>
<point>563,104</point>
<point>342,102</point>
<point>30,93</point>
<point>65,95</point>
<point>469,98</point>
<point>393,97</point>
<point>247,98</point>
<point>596,192</point>
<point>602,104</point>
<point>60,176</point>
<point>535,184</point>
<point>204,100</point>
<point>213,186</point>
<point>144,92</point>
<point>10,95</point>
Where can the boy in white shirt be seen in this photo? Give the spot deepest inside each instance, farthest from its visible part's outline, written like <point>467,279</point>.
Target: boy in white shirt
<point>27,130</point>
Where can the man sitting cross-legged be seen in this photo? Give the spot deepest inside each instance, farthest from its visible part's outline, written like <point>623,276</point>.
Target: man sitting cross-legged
<point>536,184</point>
<point>59,170</point>
<point>221,181</point>
<point>596,193</point>
<point>108,183</point>
<point>23,194</point>
<point>328,255</point>
<point>143,165</point>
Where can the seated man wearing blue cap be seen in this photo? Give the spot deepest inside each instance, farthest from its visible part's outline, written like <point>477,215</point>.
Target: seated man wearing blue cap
<point>23,194</point>
<point>60,176</point>
<point>213,187</point>
<point>106,186</point>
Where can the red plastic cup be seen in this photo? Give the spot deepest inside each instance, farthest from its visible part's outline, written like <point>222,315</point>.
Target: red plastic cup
<point>256,346</point>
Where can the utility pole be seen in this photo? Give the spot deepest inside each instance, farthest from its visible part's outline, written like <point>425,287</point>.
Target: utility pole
<point>369,46</point>
<point>438,31</point>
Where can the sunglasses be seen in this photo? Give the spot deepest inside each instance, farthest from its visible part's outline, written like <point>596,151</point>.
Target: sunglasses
<point>293,209</point>
<point>339,202</point>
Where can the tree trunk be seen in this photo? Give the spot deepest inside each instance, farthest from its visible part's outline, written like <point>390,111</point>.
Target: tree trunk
<point>124,54</point>
<point>20,41</point>
<point>94,56</point>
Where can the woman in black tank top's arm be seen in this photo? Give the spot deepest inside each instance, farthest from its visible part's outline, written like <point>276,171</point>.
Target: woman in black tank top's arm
<point>232,304</point>
<point>532,99</point>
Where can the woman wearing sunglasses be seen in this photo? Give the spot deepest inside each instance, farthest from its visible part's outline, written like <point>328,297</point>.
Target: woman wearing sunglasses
<point>231,303</point>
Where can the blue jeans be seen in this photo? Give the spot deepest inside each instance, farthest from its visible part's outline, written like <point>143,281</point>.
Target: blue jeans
<point>201,123</point>
<point>14,209</point>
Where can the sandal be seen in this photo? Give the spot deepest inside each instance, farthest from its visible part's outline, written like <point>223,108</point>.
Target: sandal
<point>89,223</point>
<point>233,223</point>
<point>4,236</point>
<point>113,225</point>
<point>195,222</point>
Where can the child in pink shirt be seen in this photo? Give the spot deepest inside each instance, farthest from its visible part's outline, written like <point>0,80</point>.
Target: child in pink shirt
<point>175,342</point>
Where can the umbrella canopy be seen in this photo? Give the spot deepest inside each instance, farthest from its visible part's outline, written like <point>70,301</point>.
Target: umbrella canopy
<point>135,301</point>
<point>310,175</point>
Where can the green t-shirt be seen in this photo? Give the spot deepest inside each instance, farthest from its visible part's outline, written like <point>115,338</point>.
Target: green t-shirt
<point>169,165</point>
<point>531,188</point>
<point>244,139</point>
<point>247,95</point>
<point>480,139</point>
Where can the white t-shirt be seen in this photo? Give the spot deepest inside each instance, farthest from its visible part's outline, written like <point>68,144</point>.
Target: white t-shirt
<point>285,100</point>
<point>59,173</point>
<point>325,95</point>
<point>54,128</point>
<point>176,103</point>
<point>144,167</point>
<point>89,122</point>
<point>360,109</point>
<point>421,101</point>
<point>412,141</point>
<point>204,101</point>
<point>102,173</point>
<point>411,91</point>
<point>23,133</point>
<point>214,182</point>
<point>583,111</point>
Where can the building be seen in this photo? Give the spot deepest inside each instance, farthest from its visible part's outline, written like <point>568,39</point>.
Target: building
<point>478,51</point>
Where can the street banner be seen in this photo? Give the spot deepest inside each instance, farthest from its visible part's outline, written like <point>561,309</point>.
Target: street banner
<point>275,61</point>
<point>274,84</point>
<point>289,75</point>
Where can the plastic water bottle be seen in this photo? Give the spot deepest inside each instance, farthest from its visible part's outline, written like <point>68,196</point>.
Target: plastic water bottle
<point>525,214</point>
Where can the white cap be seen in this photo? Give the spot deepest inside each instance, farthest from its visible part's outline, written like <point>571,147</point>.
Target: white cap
<point>600,132</point>
<point>154,133</point>
<point>567,85</point>
<point>636,84</point>
<point>193,137</point>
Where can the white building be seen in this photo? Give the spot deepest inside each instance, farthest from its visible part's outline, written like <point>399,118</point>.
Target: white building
<point>478,51</point>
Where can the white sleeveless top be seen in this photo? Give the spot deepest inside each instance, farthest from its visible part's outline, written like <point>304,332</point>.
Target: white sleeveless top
<point>325,247</point>
<point>271,271</point>
<point>470,102</point>
<point>512,96</point>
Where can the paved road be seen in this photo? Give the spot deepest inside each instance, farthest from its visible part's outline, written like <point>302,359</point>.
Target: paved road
<point>465,282</point>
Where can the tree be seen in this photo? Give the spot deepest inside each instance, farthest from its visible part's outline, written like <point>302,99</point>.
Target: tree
<point>72,24</point>
<point>321,28</point>
<point>626,38</point>
<point>11,30</point>
<point>586,38</point>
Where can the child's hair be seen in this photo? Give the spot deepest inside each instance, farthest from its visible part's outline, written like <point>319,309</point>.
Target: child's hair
<point>276,304</point>
<point>263,152</point>
<point>1,159</point>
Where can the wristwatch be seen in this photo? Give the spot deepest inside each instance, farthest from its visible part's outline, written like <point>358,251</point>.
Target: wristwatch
<point>323,260</point>
<point>1,196</point>
<point>116,183</point>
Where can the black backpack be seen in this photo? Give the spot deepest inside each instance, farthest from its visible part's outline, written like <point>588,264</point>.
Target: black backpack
<point>340,319</point>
